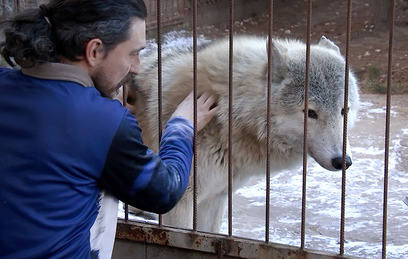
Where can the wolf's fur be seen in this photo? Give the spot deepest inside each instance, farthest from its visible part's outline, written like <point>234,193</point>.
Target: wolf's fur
<point>327,75</point>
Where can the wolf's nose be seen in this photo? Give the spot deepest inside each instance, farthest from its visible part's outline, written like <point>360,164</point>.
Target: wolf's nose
<point>337,162</point>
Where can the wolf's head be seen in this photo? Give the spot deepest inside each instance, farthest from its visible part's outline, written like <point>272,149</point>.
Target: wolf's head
<point>326,99</point>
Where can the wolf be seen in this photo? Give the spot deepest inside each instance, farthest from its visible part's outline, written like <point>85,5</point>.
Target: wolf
<point>249,110</point>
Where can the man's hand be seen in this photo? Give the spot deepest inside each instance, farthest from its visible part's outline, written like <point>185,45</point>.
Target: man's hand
<point>206,109</point>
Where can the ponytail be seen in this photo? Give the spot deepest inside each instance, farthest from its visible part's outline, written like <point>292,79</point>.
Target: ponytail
<point>28,40</point>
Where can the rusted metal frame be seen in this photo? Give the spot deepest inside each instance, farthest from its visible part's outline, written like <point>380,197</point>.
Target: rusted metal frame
<point>306,109</point>
<point>345,128</point>
<point>211,243</point>
<point>268,122</point>
<point>387,128</point>
<point>195,114</point>
<point>159,78</point>
<point>230,96</point>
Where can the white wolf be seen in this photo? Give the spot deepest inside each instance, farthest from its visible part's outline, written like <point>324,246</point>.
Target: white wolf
<point>326,108</point>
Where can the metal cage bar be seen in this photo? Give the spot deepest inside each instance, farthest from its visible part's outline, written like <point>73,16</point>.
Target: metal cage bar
<point>387,127</point>
<point>306,109</point>
<point>195,114</point>
<point>230,97</point>
<point>17,5</point>
<point>159,77</point>
<point>124,101</point>
<point>268,123</point>
<point>345,124</point>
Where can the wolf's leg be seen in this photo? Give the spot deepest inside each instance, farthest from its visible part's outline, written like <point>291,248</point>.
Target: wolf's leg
<point>181,215</point>
<point>210,213</point>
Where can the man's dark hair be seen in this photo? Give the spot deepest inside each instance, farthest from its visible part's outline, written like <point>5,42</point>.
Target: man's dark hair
<point>62,28</point>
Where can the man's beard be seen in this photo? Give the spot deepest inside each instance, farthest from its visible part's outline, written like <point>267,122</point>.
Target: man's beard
<point>105,87</point>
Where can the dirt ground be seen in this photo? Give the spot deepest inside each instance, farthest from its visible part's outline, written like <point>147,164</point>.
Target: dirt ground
<point>368,46</point>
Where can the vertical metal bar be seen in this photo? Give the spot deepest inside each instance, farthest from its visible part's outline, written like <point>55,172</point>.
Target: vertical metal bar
<point>159,77</point>
<point>126,212</point>
<point>387,128</point>
<point>195,114</point>
<point>268,122</point>
<point>306,109</point>
<point>16,6</point>
<point>231,67</point>
<point>345,126</point>
<point>124,101</point>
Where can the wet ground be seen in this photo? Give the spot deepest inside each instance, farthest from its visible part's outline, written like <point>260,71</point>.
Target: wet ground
<point>364,193</point>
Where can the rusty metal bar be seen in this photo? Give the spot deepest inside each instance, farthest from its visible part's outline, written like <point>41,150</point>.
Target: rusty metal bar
<point>17,5</point>
<point>387,128</point>
<point>159,77</point>
<point>345,126</point>
<point>195,114</point>
<point>124,101</point>
<point>268,123</point>
<point>126,212</point>
<point>306,109</point>
<point>230,86</point>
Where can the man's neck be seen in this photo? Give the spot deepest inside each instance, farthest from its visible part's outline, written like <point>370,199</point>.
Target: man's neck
<point>81,64</point>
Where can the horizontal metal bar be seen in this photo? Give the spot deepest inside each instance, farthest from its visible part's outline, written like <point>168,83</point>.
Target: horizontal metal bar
<point>210,243</point>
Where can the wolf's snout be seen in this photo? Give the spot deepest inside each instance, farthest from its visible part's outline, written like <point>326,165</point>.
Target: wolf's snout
<point>337,162</point>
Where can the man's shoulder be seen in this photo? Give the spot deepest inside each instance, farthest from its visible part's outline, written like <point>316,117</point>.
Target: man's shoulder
<point>4,70</point>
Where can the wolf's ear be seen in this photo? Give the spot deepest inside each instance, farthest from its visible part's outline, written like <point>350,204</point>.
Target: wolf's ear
<point>325,42</point>
<point>278,63</point>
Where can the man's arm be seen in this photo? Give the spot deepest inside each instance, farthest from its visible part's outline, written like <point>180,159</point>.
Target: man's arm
<point>137,176</point>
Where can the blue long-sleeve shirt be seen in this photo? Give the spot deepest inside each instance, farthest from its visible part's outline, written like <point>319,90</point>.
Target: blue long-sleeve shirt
<point>61,142</point>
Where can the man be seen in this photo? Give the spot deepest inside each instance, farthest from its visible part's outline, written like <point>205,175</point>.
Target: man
<point>63,139</point>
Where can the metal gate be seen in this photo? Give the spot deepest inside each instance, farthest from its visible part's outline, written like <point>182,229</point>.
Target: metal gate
<point>230,245</point>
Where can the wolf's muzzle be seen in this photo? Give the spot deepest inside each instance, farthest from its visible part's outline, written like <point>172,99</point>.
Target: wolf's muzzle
<point>337,162</point>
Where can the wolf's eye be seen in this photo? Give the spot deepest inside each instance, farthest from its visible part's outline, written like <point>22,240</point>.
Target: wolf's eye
<point>342,111</point>
<point>312,114</point>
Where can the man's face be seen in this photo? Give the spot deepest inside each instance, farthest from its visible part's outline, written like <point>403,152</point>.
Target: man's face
<point>121,60</point>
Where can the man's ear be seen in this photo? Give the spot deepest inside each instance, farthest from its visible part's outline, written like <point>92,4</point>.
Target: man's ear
<point>94,52</point>
<point>278,70</point>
